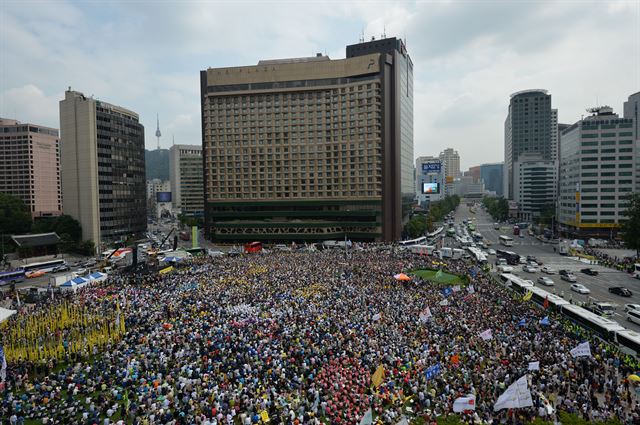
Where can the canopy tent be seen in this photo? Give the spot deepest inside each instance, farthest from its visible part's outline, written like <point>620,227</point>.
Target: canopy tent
<point>5,313</point>
<point>75,283</point>
<point>172,259</point>
<point>402,276</point>
<point>96,277</point>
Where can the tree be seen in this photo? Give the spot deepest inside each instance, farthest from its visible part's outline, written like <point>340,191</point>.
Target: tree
<point>14,215</point>
<point>62,225</point>
<point>631,227</point>
<point>417,226</point>
<point>497,207</point>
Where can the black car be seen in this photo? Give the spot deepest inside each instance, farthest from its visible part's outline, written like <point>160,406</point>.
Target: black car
<point>620,290</point>
<point>590,272</point>
<point>563,272</point>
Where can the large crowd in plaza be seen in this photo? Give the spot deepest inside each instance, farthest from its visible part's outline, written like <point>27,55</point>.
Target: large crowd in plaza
<point>294,338</point>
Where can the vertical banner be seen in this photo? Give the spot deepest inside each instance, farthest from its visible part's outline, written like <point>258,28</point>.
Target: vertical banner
<point>194,236</point>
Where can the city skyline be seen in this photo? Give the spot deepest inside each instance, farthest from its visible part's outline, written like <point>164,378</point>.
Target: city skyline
<point>462,77</point>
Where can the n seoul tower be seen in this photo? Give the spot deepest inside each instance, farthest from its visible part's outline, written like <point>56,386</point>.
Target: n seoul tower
<point>158,134</point>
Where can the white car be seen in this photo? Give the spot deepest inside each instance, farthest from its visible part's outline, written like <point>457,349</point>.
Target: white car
<point>530,269</point>
<point>503,268</point>
<point>546,281</point>
<point>548,270</point>
<point>522,260</point>
<point>634,307</point>
<point>580,288</point>
<point>491,251</point>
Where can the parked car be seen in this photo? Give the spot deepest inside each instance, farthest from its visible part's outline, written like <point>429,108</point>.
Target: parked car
<point>491,251</point>
<point>580,288</point>
<point>630,307</point>
<point>530,268</point>
<point>63,268</point>
<point>589,271</point>
<point>620,290</point>
<point>548,270</point>
<point>546,281</point>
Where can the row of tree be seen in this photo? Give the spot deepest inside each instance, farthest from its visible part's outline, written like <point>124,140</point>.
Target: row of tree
<point>497,207</point>
<point>15,219</point>
<point>420,224</point>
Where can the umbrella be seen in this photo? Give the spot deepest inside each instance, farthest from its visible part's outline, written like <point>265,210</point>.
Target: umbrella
<point>634,378</point>
<point>401,276</point>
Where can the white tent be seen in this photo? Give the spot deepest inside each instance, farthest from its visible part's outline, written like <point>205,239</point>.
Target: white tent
<point>5,313</point>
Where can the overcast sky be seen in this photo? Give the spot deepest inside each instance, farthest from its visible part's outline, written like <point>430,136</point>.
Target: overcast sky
<point>469,56</point>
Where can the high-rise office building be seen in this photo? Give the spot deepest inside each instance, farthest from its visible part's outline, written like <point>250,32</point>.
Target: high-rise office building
<point>527,129</point>
<point>451,162</point>
<point>473,172</point>
<point>429,171</point>
<point>310,148</point>
<point>631,110</point>
<point>555,136</point>
<point>597,172</point>
<point>535,185</point>
<point>185,173</point>
<point>30,166</point>
<point>102,168</point>
<point>491,175</point>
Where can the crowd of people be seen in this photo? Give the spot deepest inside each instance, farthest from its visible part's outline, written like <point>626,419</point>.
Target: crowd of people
<point>295,338</point>
<point>625,264</point>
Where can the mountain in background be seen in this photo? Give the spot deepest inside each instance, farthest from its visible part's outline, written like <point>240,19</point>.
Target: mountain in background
<point>157,164</point>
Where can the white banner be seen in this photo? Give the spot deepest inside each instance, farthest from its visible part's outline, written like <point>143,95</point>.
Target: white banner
<point>464,403</point>
<point>471,289</point>
<point>456,288</point>
<point>425,314</point>
<point>367,419</point>
<point>517,395</point>
<point>486,335</point>
<point>444,302</point>
<point>376,317</point>
<point>582,350</point>
<point>534,365</point>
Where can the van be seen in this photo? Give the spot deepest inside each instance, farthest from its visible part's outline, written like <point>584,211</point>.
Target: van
<point>633,316</point>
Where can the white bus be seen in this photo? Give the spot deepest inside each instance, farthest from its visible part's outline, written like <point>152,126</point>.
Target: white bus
<point>636,271</point>
<point>506,240</point>
<point>418,241</point>
<point>45,266</point>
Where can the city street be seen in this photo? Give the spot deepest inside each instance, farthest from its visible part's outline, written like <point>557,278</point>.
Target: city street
<point>545,253</point>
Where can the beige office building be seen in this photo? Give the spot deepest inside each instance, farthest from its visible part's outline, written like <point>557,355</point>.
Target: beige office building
<point>102,168</point>
<point>30,166</point>
<point>185,174</point>
<point>310,148</point>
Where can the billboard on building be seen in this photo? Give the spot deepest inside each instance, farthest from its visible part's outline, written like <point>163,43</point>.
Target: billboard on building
<point>431,167</point>
<point>449,179</point>
<point>430,188</point>
<point>163,196</point>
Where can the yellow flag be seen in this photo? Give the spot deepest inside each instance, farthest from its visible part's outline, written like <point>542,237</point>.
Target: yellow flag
<point>265,416</point>
<point>378,376</point>
<point>527,296</point>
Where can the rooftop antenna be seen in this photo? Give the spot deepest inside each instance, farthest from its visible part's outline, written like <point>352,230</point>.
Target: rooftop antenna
<point>173,140</point>
<point>158,134</point>
<point>362,36</point>
<point>384,30</point>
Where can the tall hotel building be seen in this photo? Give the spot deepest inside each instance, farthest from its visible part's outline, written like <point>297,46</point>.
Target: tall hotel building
<point>597,173</point>
<point>30,166</point>
<point>310,148</point>
<point>103,171</point>
<point>185,173</point>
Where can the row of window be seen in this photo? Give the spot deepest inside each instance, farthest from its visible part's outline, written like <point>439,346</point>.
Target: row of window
<point>607,142</point>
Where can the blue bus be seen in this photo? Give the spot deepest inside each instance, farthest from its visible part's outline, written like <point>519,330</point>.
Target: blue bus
<point>13,276</point>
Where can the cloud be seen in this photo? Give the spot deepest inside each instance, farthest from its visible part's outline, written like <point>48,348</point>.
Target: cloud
<point>29,104</point>
<point>469,56</point>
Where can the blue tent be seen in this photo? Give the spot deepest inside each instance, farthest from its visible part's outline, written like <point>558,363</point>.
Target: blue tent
<point>172,259</point>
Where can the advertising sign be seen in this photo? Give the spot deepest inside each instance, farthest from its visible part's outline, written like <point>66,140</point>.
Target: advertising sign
<point>431,167</point>
<point>430,188</point>
<point>163,196</point>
